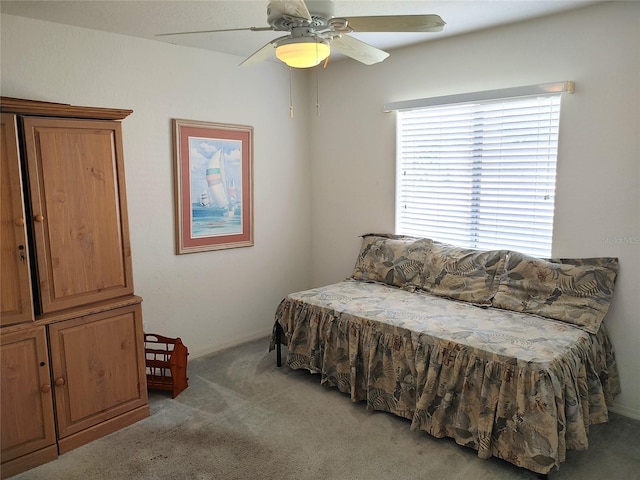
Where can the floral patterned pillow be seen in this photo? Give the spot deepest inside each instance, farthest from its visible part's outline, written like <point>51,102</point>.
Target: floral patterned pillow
<point>463,273</point>
<point>576,291</point>
<point>392,259</point>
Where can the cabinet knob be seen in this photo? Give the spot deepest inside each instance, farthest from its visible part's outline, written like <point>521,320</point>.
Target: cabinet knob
<point>59,381</point>
<point>45,388</point>
<point>19,222</point>
<point>39,218</point>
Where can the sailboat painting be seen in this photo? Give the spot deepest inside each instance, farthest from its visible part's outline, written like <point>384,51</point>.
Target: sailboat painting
<point>214,185</point>
<point>216,202</point>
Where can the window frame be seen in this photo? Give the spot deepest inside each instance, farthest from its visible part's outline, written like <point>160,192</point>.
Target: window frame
<point>486,99</point>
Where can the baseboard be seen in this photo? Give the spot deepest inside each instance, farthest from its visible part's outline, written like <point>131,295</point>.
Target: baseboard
<point>231,344</point>
<point>112,425</point>
<point>625,411</point>
<point>28,461</point>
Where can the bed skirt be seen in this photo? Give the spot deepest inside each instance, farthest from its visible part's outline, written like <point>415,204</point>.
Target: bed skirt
<point>510,385</point>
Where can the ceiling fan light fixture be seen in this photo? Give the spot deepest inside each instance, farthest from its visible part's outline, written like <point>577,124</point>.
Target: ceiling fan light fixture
<point>303,52</point>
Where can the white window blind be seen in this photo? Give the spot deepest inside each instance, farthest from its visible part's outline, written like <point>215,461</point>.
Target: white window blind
<point>480,174</point>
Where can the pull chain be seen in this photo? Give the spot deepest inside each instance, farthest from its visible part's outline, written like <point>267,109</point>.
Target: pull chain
<point>317,94</point>
<point>290,95</point>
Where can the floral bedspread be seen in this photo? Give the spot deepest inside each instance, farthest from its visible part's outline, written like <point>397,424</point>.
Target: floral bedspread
<point>512,385</point>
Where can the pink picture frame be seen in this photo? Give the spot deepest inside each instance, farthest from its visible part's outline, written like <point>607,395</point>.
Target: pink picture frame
<point>213,185</point>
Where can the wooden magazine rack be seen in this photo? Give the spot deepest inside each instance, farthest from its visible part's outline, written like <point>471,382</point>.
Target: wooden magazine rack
<point>166,363</point>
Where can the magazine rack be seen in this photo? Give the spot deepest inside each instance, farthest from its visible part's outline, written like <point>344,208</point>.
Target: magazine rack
<point>166,363</point>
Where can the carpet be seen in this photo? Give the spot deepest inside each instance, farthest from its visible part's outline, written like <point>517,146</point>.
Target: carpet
<point>242,419</point>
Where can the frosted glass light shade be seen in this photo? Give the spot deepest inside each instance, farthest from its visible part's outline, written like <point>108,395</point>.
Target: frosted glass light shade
<point>303,53</point>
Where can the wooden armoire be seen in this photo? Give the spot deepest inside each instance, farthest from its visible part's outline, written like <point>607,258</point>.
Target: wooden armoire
<point>72,365</point>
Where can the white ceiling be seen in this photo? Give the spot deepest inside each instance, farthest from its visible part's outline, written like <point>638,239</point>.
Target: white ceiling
<point>146,18</point>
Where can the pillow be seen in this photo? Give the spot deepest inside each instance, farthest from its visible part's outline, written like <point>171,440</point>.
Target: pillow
<point>462,273</point>
<point>392,259</point>
<point>576,291</point>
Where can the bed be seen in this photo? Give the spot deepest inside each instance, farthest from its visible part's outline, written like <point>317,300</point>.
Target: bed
<point>513,384</point>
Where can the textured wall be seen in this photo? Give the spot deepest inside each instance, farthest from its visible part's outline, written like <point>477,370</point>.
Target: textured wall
<point>597,210</point>
<point>212,299</point>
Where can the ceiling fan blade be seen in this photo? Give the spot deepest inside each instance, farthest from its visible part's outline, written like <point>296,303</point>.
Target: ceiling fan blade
<point>358,50</point>
<point>289,8</point>
<point>253,29</point>
<point>397,23</point>
<point>263,53</point>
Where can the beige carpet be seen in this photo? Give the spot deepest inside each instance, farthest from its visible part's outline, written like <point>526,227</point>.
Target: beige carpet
<point>242,418</point>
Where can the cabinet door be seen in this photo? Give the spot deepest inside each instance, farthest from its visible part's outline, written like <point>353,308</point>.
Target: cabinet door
<point>98,368</point>
<point>16,303</point>
<point>27,405</point>
<point>78,203</point>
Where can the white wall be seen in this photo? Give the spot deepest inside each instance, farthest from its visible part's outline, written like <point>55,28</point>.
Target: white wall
<point>598,180</point>
<point>212,299</point>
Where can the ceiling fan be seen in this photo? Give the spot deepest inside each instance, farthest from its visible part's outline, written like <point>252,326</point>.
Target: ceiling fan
<point>314,31</point>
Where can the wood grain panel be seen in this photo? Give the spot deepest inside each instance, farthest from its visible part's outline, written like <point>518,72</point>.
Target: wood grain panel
<point>97,368</point>
<point>79,206</point>
<point>27,405</point>
<point>15,279</point>
<point>52,109</point>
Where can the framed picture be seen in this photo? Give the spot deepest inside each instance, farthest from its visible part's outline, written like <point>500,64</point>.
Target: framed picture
<point>214,185</point>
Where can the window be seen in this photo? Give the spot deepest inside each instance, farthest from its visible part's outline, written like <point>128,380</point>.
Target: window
<point>480,174</point>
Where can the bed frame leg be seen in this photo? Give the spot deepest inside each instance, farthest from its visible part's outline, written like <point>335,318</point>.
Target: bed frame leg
<point>278,345</point>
